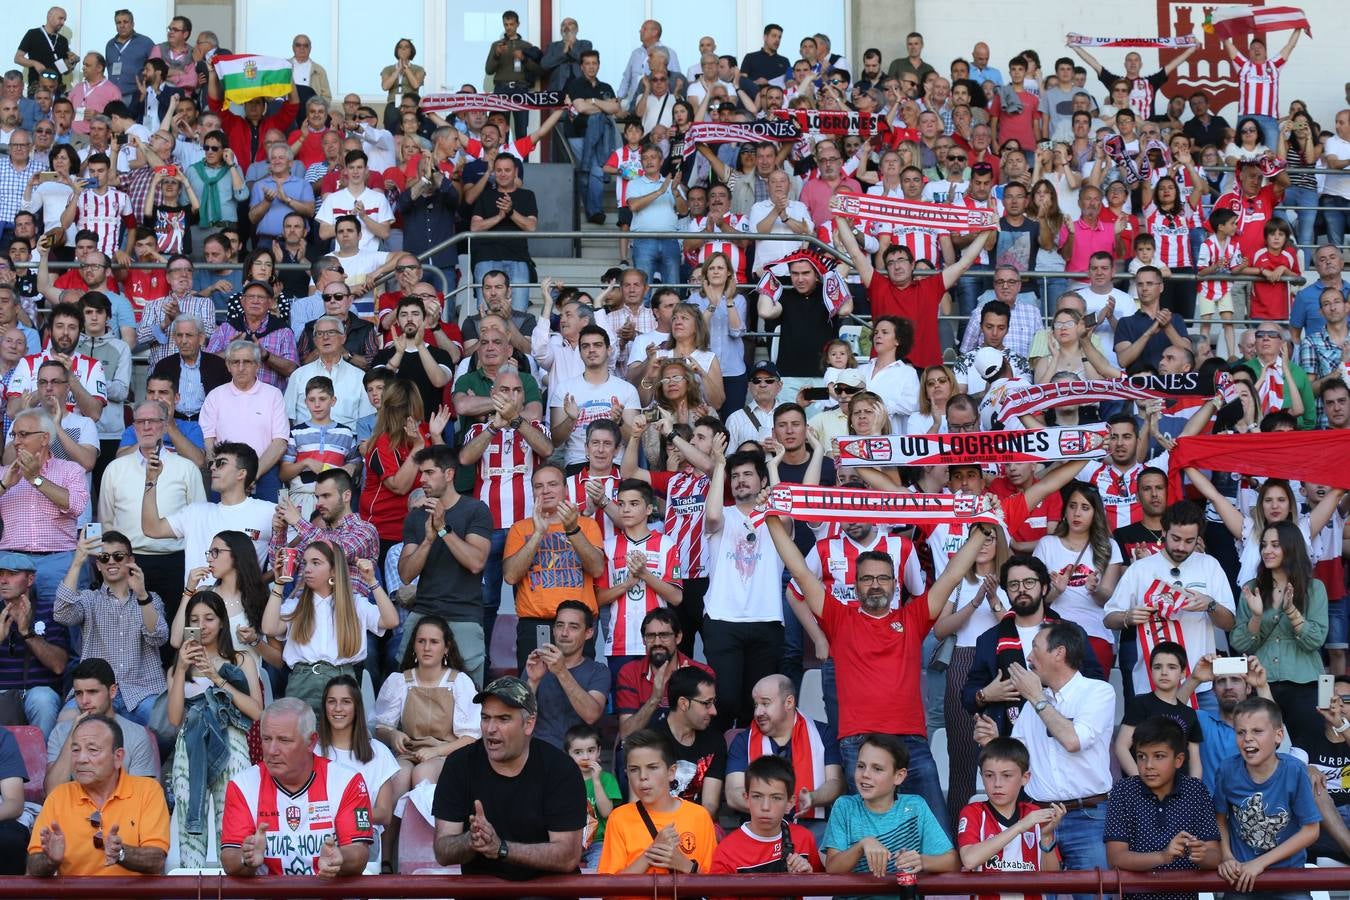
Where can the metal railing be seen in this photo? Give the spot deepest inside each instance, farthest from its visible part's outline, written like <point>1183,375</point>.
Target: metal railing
<point>1101,882</point>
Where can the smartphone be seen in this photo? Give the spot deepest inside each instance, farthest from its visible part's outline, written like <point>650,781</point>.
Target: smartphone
<point>1326,684</point>
<point>543,634</point>
<point>1090,321</point>
<point>167,171</point>
<point>283,496</point>
<point>93,531</point>
<point>652,415</point>
<point>48,176</point>
<point>1230,665</point>
<point>815,393</point>
<point>192,633</point>
<point>1045,145</point>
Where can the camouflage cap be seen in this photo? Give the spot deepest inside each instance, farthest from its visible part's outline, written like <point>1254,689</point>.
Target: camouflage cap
<point>511,691</point>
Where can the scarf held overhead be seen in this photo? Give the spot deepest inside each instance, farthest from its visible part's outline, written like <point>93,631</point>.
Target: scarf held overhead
<point>810,503</point>
<point>1180,42</point>
<point>750,133</point>
<point>516,101</point>
<point>1036,398</point>
<point>975,448</point>
<point>835,122</point>
<point>913,213</point>
<point>1317,457</point>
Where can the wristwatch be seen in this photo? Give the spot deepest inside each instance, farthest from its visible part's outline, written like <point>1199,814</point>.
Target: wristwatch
<point>1213,604</point>
<point>122,855</point>
<point>502,849</point>
<point>1342,728</point>
<point>1040,705</point>
<point>39,481</point>
<point>515,423</point>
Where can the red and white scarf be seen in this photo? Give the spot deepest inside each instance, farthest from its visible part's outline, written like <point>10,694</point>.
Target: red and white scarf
<point>1270,389</point>
<point>812,503</point>
<point>750,133</point>
<point>834,122</point>
<point>978,447</point>
<point>946,217</point>
<point>1166,601</point>
<point>516,101</point>
<point>833,288</point>
<point>808,758</point>
<point>1179,42</point>
<point>1037,398</point>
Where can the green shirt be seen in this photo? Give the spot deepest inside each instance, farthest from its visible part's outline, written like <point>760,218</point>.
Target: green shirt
<point>611,786</point>
<point>1308,420</point>
<point>1287,656</point>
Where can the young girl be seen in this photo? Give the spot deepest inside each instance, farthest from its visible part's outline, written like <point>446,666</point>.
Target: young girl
<point>344,738</point>
<point>1219,255</point>
<point>837,358</point>
<point>214,697</point>
<point>170,210</point>
<point>1084,565</point>
<point>1279,257</point>
<point>874,830</point>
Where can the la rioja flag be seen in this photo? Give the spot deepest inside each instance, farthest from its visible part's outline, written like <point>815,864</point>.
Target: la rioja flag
<point>247,76</point>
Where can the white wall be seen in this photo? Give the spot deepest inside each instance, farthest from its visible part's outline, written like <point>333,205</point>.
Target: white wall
<point>1316,73</point>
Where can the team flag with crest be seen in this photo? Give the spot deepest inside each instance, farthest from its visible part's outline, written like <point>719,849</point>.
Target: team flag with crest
<point>247,76</point>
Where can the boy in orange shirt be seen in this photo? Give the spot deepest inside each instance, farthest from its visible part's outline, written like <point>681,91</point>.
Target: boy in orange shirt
<point>658,832</point>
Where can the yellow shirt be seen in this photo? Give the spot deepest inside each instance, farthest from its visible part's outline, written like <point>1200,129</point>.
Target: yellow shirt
<point>627,837</point>
<point>136,806</point>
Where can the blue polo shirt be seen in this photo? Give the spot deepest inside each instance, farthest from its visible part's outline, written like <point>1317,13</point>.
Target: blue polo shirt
<point>190,430</point>
<point>1136,817</point>
<point>296,188</point>
<point>1306,313</point>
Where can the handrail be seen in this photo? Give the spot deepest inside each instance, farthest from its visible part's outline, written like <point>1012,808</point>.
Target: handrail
<point>1092,881</point>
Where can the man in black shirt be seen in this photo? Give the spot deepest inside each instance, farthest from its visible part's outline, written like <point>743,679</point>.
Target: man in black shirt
<point>411,358</point>
<point>700,751</point>
<point>508,805</point>
<point>590,133</point>
<point>767,64</point>
<point>506,206</point>
<point>1204,127</point>
<point>804,325</point>
<point>45,49</point>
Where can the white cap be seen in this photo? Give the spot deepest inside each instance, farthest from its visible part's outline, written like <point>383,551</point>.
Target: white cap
<point>988,362</point>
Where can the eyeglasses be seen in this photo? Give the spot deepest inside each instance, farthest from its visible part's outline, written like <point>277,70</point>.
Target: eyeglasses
<point>973,426</point>
<point>147,421</point>
<point>43,131</point>
<point>673,379</point>
<point>115,556</point>
<point>97,821</point>
<point>1268,334</point>
<point>220,462</point>
<point>215,552</point>
<point>951,157</point>
<point>874,579</point>
<point>336,296</point>
<point>706,704</point>
<point>660,78</point>
<point>1006,281</point>
<point>653,636</point>
<point>20,144</point>
<point>1024,584</point>
<point>25,434</point>
<point>1248,131</point>
<point>93,265</point>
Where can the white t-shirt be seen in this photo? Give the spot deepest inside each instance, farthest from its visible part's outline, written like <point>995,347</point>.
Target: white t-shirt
<point>594,402</point>
<point>381,768</point>
<point>1095,303</point>
<point>1076,603</point>
<point>981,620</point>
<point>323,643</point>
<point>343,203</point>
<point>745,573</point>
<point>198,523</point>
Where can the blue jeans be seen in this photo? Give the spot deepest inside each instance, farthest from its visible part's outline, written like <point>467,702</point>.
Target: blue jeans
<point>1081,845</point>
<point>591,151</point>
<point>492,592</point>
<point>41,705</point>
<point>657,257</point>
<point>1303,220</point>
<point>141,714</point>
<point>1334,216</point>
<point>517,272</point>
<point>920,781</point>
<point>51,568</point>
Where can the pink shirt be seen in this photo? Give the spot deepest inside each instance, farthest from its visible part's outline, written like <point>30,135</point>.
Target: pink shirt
<point>91,99</point>
<point>255,417</point>
<point>34,524</point>
<point>1087,241</point>
<point>816,194</point>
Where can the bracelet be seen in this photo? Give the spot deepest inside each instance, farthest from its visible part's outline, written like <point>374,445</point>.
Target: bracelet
<point>188,592</point>
<point>1343,727</point>
<point>1051,848</point>
<point>572,531</point>
<point>146,602</point>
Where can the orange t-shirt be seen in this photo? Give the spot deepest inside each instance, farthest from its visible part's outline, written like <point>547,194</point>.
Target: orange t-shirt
<point>627,837</point>
<point>556,574</point>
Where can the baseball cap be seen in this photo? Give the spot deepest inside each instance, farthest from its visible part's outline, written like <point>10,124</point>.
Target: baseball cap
<point>850,377</point>
<point>988,362</point>
<point>765,365</point>
<point>16,562</point>
<point>258,284</point>
<point>511,691</point>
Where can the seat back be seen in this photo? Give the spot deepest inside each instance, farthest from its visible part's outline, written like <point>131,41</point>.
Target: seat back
<point>33,746</point>
<point>416,842</point>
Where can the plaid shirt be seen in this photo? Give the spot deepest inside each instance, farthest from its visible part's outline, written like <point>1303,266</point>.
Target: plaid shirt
<point>136,184</point>
<point>114,630</point>
<point>357,538</point>
<point>275,337</point>
<point>150,331</point>
<point>1026,321</point>
<point>34,524</point>
<point>12,184</point>
<point>1319,356</point>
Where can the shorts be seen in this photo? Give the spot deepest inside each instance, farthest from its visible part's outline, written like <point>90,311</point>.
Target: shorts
<point>1338,624</point>
<point>1205,307</point>
<point>625,217</point>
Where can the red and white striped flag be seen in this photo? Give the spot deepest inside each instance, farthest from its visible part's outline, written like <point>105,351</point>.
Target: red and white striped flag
<point>1167,601</point>
<point>1233,21</point>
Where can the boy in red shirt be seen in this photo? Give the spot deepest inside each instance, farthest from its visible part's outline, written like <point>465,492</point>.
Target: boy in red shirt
<point>1278,258</point>
<point>767,843</point>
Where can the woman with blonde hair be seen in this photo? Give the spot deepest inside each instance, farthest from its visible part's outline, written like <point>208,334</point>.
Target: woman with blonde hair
<point>724,312</point>
<point>689,341</point>
<point>937,384</point>
<point>867,417</point>
<point>323,623</point>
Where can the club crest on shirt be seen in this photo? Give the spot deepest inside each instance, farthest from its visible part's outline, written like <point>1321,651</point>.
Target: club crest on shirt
<point>293,817</point>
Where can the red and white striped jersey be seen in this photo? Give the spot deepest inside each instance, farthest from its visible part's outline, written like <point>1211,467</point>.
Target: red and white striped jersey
<point>992,203</point>
<point>835,561</point>
<point>88,370</point>
<point>334,802</point>
<point>1142,93</point>
<point>922,242</point>
<point>620,159</point>
<point>1172,234</point>
<point>980,821</point>
<point>1259,87</point>
<point>686,493</point>
<point>504,474</point>
<point>576,492</point>
<point>104,214</point>
<point>716,243</point>
<point>1228,254</point>
<point>623,617</point>
<point>1119,491</point>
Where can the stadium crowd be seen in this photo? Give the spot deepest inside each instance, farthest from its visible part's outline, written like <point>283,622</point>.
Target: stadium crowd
<point>332,473</point>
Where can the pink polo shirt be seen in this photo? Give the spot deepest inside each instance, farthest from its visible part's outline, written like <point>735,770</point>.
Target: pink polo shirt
<point>1087,241</point>
<point>91,100</point>
<point>255,417</point>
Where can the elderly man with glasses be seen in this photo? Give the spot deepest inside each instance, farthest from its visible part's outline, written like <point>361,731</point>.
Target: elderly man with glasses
<point>306,72</point>
<point>160,317</point>
<point>258,325</point>
<point>360,341</point>
<point>15,174</point>
<point>251,412</point>
<point>332,360</point>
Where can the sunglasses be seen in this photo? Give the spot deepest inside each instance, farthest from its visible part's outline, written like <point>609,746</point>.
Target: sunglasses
<point>1268,334</point>
<point>763,381</point>
<point>97,821</point>
<point>848,389</point>
<point>335,296</point>
<point>219,463</point>
<point>954,158</point>
<point>212,148</point>
<point>115,556</point>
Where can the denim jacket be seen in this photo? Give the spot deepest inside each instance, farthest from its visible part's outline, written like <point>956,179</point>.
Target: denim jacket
<point>206,722</point>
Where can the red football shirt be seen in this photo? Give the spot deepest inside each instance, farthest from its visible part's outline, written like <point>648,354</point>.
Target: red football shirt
<point>918,301</point>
